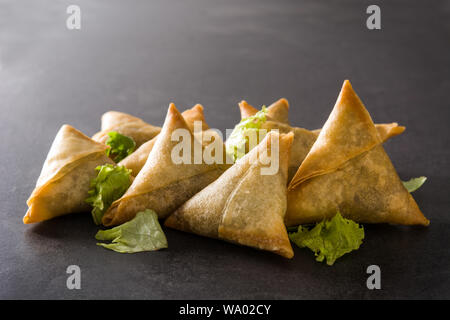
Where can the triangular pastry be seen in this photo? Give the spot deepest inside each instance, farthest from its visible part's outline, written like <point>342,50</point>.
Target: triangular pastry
<point>127,125</point>
<point>348,170</point>
<point>163,185</point>
<point>243,206</point>
<point>63,184</point>
<point>277,111</point>
<point>137,159</point>
<point>276,118</point>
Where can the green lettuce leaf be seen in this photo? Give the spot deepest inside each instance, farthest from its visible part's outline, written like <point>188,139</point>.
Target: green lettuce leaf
<point>414,183</point>
<point>330,239</point>
<point>143,233</point>
<point>120,146</point>
<point>236,142</point>
<point>109,185</point>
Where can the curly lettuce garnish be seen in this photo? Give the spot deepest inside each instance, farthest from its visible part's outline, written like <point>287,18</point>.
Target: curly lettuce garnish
<point>109,185</point>
<point>238,140</point>
<point>414,183</point>
<point>120,146</point>
<point>330,239</point>
<point>142,233</point>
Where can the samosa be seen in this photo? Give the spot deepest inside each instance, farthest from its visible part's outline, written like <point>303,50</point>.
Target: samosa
<point>347,170</point>
<point>63,184</point>
<point>277,111</point>
<point>163,184</point>
<point>277,118</point>
<point>137,159</point>
<point>127,125</point>
<point>244,205</point>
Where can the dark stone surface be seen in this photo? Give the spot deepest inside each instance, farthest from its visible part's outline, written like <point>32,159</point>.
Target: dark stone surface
<point>137,57</point>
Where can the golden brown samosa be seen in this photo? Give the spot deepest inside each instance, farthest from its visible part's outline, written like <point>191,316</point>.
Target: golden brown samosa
<point>137,159</point>
<point>243,206</point>
<point>195,114</point>
<point>127,125</point>
<point>348,170</point>
<point>277,111</point>
<point>276,118</point>
<point>64,181</point>
<point>163,185</point>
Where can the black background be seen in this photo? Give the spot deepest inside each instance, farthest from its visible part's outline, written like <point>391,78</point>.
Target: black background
<point>137,56</point>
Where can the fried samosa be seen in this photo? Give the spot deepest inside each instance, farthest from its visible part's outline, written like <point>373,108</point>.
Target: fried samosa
<point>127,125</point>
<point>243,206</point>
<point>347,170</point>
<point>276,118</point>
<point>63,184</point>
<point>137,159</point>
<point>277,111</point>
<point>163,185</point>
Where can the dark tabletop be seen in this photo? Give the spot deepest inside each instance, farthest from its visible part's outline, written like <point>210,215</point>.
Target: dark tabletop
<point>137,56</point>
